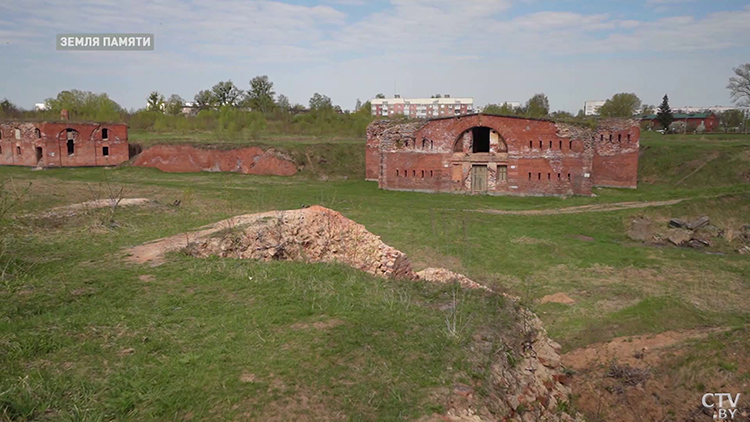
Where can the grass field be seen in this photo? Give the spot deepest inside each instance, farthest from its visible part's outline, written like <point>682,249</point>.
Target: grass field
<point>86,336</point>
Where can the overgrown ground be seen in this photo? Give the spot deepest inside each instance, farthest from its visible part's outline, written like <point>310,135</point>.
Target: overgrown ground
<point>85,336</point>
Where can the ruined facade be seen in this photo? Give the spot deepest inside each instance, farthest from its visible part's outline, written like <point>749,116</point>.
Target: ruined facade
<point>62,144</point>
<point>491,154</point>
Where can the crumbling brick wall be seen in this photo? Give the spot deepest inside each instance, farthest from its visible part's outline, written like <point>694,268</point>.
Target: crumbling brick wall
<point>525,157</point>
<point>46,144</point>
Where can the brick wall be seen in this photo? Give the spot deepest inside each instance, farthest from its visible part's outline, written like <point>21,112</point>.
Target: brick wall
<point>45,144</point>
<point>525,157</point>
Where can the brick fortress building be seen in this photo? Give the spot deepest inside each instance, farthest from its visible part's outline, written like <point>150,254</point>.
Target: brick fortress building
<point>502,155</point>
<point>63,143</point>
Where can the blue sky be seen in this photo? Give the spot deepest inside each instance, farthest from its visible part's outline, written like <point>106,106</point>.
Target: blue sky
<point>492,50</point>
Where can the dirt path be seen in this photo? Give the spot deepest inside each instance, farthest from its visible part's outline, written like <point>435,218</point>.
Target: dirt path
<point>70,210</point>
<point>625,349</point>
<point>153,252</point>
<point>616,206</point>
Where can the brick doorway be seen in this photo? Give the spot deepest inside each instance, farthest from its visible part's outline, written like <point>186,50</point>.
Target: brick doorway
<point>479,178</point>
<point>39,155</point>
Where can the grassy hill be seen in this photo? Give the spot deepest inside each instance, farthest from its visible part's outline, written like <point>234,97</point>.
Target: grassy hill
<point>86,336</point>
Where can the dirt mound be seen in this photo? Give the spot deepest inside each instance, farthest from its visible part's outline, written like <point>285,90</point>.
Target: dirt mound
<point>313,234</point>
<point>189,159</point>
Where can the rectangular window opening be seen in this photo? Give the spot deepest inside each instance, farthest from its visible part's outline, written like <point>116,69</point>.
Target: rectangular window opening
<point>560,146</point>
<point>540,144</point>
<point>549,176</point>
<point>568,177</point>
<point>550,144</point>
<point>558,176</point>
<point>71,147</point>
<point>529,175</point>
<point>539,176</point>
<point>619,137</point>
<point>422,174</point>
<point>430,173</point>
<point>18,150</point>
<point>105,134</point>
<point>502,173</point>
<point>105,151</point>
<point>628,137</point>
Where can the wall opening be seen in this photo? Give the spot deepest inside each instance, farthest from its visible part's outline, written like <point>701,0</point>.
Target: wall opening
<point>560,146</point>
<point>502,174</point>
<point>105,151</point>
<point>481,139</point>
<point>18,150</point>
<point>18,133</point>
<point>71,147</point>
<point>628,137</point>
<point>619,138</point>
<point>430,170</point>
<point>39,154</point>
<point>105,134</point>
<point>424,144</point>
<point>38,133</point>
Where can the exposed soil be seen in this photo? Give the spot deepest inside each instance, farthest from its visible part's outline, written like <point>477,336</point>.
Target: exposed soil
<point>632,379</point>
<point>558,298</point>
<point>75,209</point>
<point>187,158</point>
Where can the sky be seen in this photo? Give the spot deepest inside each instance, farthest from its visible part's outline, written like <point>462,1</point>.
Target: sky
<point>491,50</point>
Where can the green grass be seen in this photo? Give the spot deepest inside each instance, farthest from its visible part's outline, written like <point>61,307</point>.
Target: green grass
<point>318,340</point>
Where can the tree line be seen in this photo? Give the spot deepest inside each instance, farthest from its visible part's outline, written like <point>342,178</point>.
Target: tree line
<point>227,108</point>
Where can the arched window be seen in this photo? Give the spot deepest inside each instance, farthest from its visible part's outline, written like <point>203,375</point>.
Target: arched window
<point>38,133</point>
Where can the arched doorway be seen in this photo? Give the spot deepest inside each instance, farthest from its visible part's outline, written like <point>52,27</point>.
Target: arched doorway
<point>480,140</point>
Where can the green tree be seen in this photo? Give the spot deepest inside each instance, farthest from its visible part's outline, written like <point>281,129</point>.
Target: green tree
<point>174,105</point>
<point>621,105</point>
<point>665,116</point>
<point>358,105</point>
<point>283,103</point>
<point>648,109</point>
<point>731,119</point>
<point>204,100</point>
<point>155,102</point>
<point>502,110</point>
<point>561,115</point>
<point>261,96</point>
<point>380,96</point>
<point>8,109</point>
<point>320,102</point>
<point>85,105</point>
<point>739,85</point>
<point>537,106</point>
<point>225,93</point>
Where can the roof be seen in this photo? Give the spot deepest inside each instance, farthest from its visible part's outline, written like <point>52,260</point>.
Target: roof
<point>681,116</point>
<point>443,100</point>
<point>70,122</point>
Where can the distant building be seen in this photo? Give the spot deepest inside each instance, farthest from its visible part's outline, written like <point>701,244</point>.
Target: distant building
<point>712,109</point>
<point>703,122</point>
<point>62,143</point>
<point>591,108</point>
<point>502,155</point>
<point>422,108</point>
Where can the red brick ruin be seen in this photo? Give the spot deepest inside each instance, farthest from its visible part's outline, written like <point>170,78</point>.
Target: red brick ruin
<point>63,143</point>
<point>502,155</point>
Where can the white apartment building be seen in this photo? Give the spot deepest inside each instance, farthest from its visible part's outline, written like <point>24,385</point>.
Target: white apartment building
<point>422,108</point>
<point>591,108</point>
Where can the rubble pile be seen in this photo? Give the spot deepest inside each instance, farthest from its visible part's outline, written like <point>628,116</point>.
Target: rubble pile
<point>313,234</point>
<point>696,233</point>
